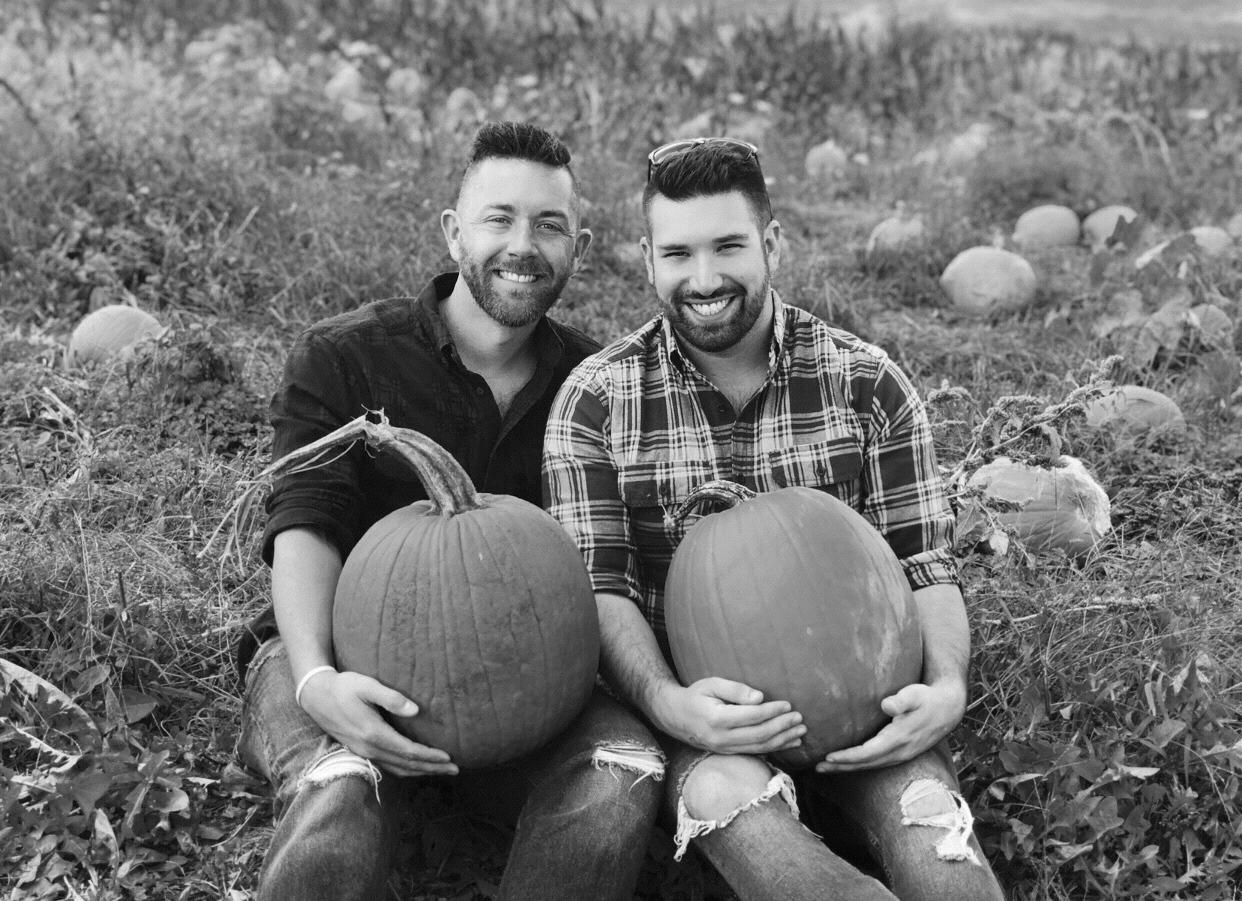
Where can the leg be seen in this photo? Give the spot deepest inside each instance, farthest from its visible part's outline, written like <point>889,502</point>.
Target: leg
<point>593,796</point>
<point>333,837</point>
<point>743,816</point>
<point>918,827</point>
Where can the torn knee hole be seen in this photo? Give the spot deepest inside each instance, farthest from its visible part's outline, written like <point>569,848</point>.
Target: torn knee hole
<point>929,802</point>
<point>719,802</point>
<point>341,763</point>
<point>631,757</point>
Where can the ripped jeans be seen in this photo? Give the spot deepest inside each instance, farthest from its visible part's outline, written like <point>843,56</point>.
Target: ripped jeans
<point>591,796</point>
<point>908,820</point>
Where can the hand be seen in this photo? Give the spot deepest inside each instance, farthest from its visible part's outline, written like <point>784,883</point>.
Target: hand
<point>729,718</point>
<point>345,706</point>
<point>922,715</point>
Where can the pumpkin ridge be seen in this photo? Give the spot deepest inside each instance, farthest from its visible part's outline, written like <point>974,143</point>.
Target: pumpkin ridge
<point>791,542</point>
<point>538,623</point>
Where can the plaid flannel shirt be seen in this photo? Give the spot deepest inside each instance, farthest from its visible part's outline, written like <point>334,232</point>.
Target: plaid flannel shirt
<point>636,427</point>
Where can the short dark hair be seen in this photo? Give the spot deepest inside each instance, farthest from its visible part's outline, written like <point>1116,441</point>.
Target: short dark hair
<point>707,169</point>
<point>518,141</point>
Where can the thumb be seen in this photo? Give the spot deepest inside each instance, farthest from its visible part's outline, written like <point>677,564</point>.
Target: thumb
<point>375,692</point>
<point>731,692</point>
<point>904,701</point>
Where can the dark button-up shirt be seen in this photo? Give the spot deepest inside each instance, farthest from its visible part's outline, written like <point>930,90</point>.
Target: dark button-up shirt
<point>396,355</point>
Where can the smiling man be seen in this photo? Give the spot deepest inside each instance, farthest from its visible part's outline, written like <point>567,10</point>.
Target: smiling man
<point>474,363</point>
<point>731,383</point>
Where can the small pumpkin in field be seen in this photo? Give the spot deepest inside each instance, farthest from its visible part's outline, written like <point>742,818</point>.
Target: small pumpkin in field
<point>1049,225</point>
<point>478,607</point>
<point>1134,411</point>
<point>794,593</point>
<point>1098,227</point>
<point>1060,507</point>
<point>109,332</point>
<point>895,234</point>
<point>984,280</point>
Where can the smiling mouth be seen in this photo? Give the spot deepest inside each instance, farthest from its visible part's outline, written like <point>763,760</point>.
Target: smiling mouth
<point>713,308</point>
<point>522,278</point>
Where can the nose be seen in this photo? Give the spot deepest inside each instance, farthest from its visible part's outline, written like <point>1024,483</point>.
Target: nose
<point>522,239</point>
<point>704,279</point>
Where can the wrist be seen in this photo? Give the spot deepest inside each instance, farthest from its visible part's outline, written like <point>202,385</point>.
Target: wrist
<point>306,678</point>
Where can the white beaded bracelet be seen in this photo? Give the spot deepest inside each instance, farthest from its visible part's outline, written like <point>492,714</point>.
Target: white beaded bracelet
<point>313,671</point>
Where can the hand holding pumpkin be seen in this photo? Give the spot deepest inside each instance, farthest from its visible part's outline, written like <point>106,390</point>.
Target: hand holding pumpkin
<point>347,706</point>
<point>921,716</point>
<point>728,717</point>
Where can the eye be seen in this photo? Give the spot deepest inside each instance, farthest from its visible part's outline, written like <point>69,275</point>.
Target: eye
<point>553,227</point>
<point>497,220</point>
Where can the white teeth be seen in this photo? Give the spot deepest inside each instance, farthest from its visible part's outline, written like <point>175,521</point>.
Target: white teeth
<point>515,276</point>
<point>711,309</point>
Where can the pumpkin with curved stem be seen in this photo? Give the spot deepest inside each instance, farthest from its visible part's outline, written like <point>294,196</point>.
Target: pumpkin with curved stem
<point>478,607</point>
<point>794,593</point>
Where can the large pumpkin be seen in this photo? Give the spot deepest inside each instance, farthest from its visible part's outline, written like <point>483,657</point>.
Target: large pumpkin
<point>794,593</point>
<point>476,606</point>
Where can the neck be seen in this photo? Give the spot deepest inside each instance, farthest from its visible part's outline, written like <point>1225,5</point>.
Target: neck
<point>483,344</point>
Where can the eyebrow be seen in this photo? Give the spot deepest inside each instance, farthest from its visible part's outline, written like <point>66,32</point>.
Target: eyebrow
<point>509,208</point>
<point>720,239</point>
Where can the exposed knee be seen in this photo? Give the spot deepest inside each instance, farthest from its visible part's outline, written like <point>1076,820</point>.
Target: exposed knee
<point>722,783</point>
<point>929,802</point>
<point>341,763</point>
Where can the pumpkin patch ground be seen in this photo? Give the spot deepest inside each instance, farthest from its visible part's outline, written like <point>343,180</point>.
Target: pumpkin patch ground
<point>194,164</point>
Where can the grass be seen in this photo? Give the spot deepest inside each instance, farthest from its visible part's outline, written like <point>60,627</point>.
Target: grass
<point>1101,747</point>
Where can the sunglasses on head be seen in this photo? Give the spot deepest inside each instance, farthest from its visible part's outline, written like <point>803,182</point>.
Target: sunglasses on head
<point>665,152</point>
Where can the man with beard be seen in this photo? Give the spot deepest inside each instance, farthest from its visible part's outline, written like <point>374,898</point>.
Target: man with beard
<point>473,363</point>
<point>731,383</point>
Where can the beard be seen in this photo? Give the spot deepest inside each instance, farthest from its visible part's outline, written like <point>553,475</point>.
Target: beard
<point>715,336</point>
<point>521,304</point>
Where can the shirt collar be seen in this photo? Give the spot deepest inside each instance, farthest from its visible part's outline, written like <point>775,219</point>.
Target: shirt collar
<point>549,346</point>
<point>672,344</point>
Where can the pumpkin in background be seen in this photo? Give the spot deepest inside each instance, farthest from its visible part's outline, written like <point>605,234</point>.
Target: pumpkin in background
<point>109,332</point>
<point>1061,507</point>
<point>478,607</point>
<point>794,593</point>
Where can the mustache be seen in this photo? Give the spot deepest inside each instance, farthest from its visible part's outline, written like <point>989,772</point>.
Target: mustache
<point>523,268</point>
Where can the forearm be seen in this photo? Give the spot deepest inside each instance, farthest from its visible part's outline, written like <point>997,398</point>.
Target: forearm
<point>946,636</point>
<point>630,656</point>
<point>305,569</point>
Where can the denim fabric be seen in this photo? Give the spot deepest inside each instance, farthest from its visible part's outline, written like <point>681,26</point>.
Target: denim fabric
<point>768,854</point>
<point>581,834</point>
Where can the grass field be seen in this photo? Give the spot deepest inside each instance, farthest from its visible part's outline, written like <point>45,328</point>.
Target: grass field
<point>243,168</point>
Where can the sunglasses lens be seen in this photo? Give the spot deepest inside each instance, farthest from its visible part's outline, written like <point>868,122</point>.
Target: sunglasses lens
<point>662,153</point>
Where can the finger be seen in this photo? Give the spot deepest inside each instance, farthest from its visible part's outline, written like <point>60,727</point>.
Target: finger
<point>869,754</point>
<point>375,692</point>
<point>783,741</point>
<point>738,716</point>
<point>728,690</point>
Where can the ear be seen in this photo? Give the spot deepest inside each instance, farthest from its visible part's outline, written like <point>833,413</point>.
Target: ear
<point>772,244</point>
<point>582,241</point>
<point>648,260</point>
<point>450,224</point>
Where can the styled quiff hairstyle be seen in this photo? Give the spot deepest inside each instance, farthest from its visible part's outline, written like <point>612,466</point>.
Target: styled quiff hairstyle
<point>519,141</point>
<point>708,169</point>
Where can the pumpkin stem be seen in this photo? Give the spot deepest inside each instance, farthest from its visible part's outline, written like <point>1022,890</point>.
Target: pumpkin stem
<point>448,487</point>
<point>720,491</point>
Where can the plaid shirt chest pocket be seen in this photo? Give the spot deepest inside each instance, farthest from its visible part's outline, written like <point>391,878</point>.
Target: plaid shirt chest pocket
<point>834,466</point>
<point>652,489</point>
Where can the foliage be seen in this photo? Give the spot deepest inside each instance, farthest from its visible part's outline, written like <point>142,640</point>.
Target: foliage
<point>186,158</point>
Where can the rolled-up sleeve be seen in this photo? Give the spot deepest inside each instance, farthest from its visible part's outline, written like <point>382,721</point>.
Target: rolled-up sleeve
<point>904,492</point>
<point>314,398</point>
<point>580,486</point>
